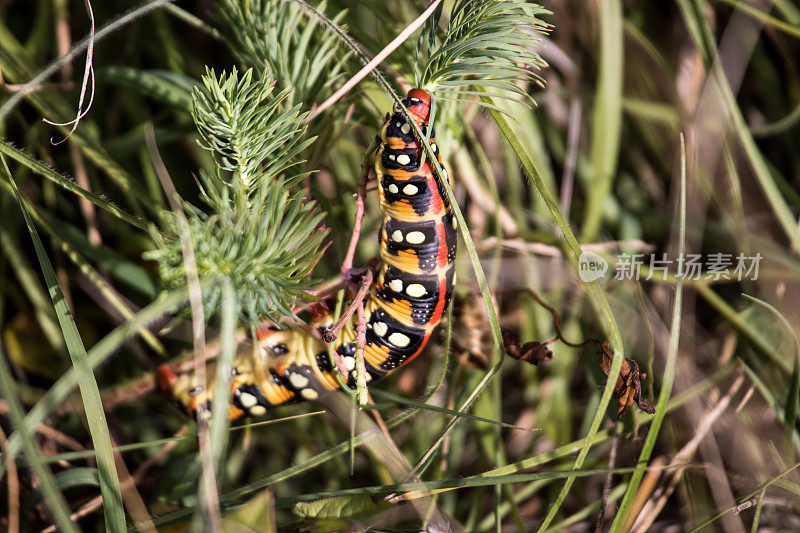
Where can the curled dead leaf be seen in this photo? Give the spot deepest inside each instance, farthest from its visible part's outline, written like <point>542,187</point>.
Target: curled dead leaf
<point>628,389</point>
<point>532,352</point>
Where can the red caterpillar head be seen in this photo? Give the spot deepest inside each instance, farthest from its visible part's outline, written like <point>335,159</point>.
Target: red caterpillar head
<point>418,103</point>
<point>166,379</point>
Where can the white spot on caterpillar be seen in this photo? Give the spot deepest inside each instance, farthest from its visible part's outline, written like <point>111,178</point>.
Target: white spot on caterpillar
<point>380,328</point>
<point>349,362</point>
<point>416,100</point>
<point>455,222</point>
<point>309,394</point>
<point>298,381</point>
<point>403,159</point>
<point>247,400</point>
<point>410,189</point>
<point>405,128</point>
<point>398,124</point>
<point>397,236</point>
<point>399,339</point>
<point>415,237</point>
<point>393,188</point>
<point>258,410</point>
<point>434,147</point>
<point>392,157</point>
<point>396,285</point>
<point>415,290</point>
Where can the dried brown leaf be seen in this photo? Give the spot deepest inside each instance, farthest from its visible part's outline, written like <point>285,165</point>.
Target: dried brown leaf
<point>628,389</point>
<point>532,352</point>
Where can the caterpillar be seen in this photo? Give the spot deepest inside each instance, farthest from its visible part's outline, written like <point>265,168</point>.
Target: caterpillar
<point>413,286</point>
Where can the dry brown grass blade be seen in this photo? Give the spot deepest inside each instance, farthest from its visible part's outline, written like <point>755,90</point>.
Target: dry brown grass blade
<point>679,462</point>
<point>210,492</point>
<point>63,40</point>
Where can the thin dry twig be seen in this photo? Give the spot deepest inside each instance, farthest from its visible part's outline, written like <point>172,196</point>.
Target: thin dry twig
<point>377,60</point>
<point>28,89</point>
<point>600,523</point>
<point>133,500</point>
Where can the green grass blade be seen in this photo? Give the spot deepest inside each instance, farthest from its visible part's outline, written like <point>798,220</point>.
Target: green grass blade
<point>790,415</point>
<point>46,172</point>
<point>607,116</point>
<point>737,320</point>
<point>460,483</point>
<point>514,468</point>
<point>588,510</point>
<point>757,14</point>
<point>55,500</point>
<point>597,298</point>
<point>192,20</point>
<point>90,393</point>
<point>75,456</point>
<point>429,407</point>
<point>74,241</point>
<point>793,393</point>
<point>669,370</point>
<point>416,489</point>
<point>757,161</point>
<point>218,436</point>
<point>256,486</point>
<point>757,515</point>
